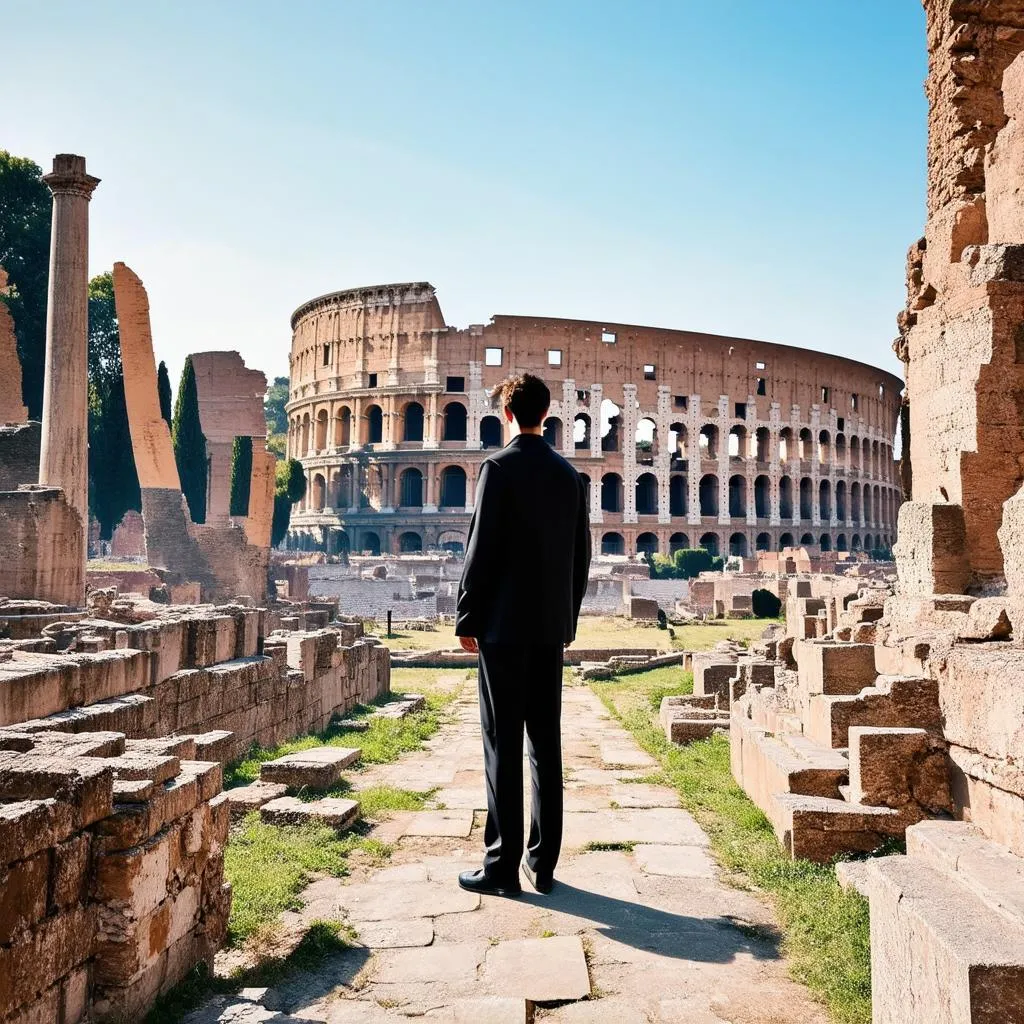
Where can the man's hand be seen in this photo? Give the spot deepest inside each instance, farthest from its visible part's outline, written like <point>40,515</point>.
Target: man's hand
<point>469,644</point>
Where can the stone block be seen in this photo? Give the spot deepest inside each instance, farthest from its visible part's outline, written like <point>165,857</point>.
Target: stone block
<point>931,553</point>
<point>243,799</point>
<point>643,608</point>
<point>316,768</point>
<point>896,767</point>
<point>86,784</point>
<point>23,895</point>
<point>336,812</point>
<point>687,730</point>
<point>835,668</point>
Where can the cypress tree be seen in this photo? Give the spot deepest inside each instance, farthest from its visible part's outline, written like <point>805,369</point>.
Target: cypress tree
<point>241,475</point>
<point>190,444</point>
<point>163,389</point>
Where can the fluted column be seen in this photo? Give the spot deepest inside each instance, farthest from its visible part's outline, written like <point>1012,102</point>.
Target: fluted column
<point>64,449</point>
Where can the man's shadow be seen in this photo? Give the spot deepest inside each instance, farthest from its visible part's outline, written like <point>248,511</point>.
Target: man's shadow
<point>703,939</point>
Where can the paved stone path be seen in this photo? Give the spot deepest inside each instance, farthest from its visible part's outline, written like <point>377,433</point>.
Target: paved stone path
<point>638,930</point>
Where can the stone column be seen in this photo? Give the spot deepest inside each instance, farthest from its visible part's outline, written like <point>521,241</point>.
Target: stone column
<point>596,397</point>
<point>64,449</point>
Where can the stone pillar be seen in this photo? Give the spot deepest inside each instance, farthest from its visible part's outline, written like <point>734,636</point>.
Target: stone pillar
<point>627,437</point>
<point>64,449</point>
<point>724,466</point>
<point>596,397</point>
<point>568,418</point>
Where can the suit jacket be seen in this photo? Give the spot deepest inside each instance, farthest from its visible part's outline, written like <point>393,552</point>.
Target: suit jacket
<point>528,554</point>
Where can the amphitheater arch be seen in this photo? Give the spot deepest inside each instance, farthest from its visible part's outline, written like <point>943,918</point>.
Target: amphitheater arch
<point>647,543</point>
<point>453,487</point>
<point>452,541</point>
<point>709,542</point>
<point>708,492</point>
<point>319,492</point>
<point>411,489</point>
<point>455,422</point>
<point>786,541</point>
<point>412,422</point>
<point>855,544</point>
<point>737,497</point>
<point>805,445</point>
<point>611,492</point>
<point>738,545</point>
<point>677,494</point>
<point>553,432</point>
<point>304,435</point>
<point>807,540</point>
<point>854,452</point>
<point>708,442</point>
<point>645,439</point>
<point>825,501</point>
<point>841,449</point>
<point>786,450</point>
<point>370,542</point>
<point>855,504</point>
<point>825,542</point>
<point>824,447</point>
<point>762,444</point>
<point>647,494</point>
<point>581,432</point>
<point>677,441</point>
<point>678,542</point>
<point>610,423</point>
<point>785,497</point>
<point>410,542</point>
<point>763,542</point>
<point>841,542</point>
<point>374,425</point>
<point>491,434</point>
<point>806,501</point>
<point>613,544</point>
<point>762,497</point>
<point>343,427</point>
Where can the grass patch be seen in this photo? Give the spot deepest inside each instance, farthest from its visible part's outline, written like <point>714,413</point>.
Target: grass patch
<point>597,846</point>
<point>324,939</point>
<point>825,928</point>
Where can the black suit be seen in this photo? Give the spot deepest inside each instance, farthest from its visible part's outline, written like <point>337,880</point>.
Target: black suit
<point>524,579</point>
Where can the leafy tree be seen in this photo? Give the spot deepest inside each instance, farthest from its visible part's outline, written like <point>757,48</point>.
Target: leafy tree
<point>190,444</point>
<point>765,604</point>
<point>113,480</point>
<point>25,211</point>
<point>163,390</point>
<point>273,406</point>
<point>289,487</point>
<point>241,475</point>
<point>684,564</point>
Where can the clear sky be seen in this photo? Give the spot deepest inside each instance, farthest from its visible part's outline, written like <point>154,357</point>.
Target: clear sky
<point>745,167</point>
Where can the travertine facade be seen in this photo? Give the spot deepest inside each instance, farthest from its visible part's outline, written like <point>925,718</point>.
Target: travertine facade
<point>686,439</point>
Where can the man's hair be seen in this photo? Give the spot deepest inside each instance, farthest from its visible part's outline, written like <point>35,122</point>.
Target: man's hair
<point>527,396</point>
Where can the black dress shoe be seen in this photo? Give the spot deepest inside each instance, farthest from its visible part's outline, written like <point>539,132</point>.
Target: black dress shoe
<point>477,881</point>
<point>541,883</point>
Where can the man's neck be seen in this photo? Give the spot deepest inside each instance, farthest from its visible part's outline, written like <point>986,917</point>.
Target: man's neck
<point>535,431</point>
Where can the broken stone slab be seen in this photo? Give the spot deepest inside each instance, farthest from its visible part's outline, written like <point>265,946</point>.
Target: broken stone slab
<point>674,861</point>
<point>243,799</point>
<point>683,730</point>
<point>335,812</point>
<point>541,970</point>
<point>486,1010</point>
<point>374,901</point>
<point>455,824</point>
<point>447,963</point>
<point>416,931</point>
<point>316,768</point>
<point>853,874</point>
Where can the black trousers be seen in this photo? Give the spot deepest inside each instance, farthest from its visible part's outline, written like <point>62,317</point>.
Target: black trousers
<point>521,687</point>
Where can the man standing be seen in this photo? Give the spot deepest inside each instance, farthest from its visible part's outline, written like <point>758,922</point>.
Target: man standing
<point>525,575</point>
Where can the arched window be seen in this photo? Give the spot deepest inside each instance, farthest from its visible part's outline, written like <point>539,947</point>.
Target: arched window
<point>709,495</point>
<point>613,544</point>
<point>374,425</point>
<point>412,426</point>
<point>646,440</point>
<point>738,442</point>
<point>453,487</point>
<point>708,441</point>
<point>411,487</point>
<point>677,494</point>
<point>647,494</point>
<point>455,422</point>
<point>647,543</point>
<point>786,451</point>
<point>825,542</point>
<point>677,441</point>
<point>841,542</point>
<point>553,431</point>
<point>762,497</point>
<point>805,445</point>
<point>841,500</point>
<point>610,422</point>
<point>825,501</point>
<point>709,542</point>
<point>841,449</point>
<point>678,542</point>
<point>319,491</point>
<point>855,503</point>
<point>806,497</point>
<point>490,432</point>
<point>764,542</point>
<point>785,497</point>
<point>785,541</point>
<point>410,542</point>
<point>611,492</point>
<point>738,545</point>
<point>581,432</point>
<point>321,430</point>
<point>824,447</point>
<point>371,543</point>
<point>737,497</point>
<point>807,540</point>
<point>343,427</point>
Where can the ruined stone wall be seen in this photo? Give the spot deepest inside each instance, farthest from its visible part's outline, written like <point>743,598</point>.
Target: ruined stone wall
<point>390,413</point>
<point>12,410</point>
<point>19,455</point>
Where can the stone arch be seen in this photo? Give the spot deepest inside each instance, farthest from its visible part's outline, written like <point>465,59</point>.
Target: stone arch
<point>708,442</point>
<point>824,447</point>
<point>785,497</point>
<point>763,542</point>
<point>737,441</point>
<point>454,422</point>
<point>762,497</point>
<point>611,492</point>
<point>762,444</point>
<point>647,494</point>
<point>613,544</point>
<point>841,542</point>
<point>581,432</point>
<point>841,500</point>
<point>786,449</point>
<point>710,543</point>
<point>374,425</point>
<point>840,449</point>
<point>678,542</point>
<point>855,503</point>
<point>738,545</point>
<point>806,497</point>
<point>318,492</point>
<point>677,440</point>
<point>876,498</point>
<point>491,434</point>
<point>869,542</point>
<point>553,431</point>
<point>304,435</point>
<point>370,542</point>
<point>825,542</point>
<point>410,542</point>
<point>411,489</point>
<point>708,492</point>
<point>343,427</point>
<point>678,494</point>
<point>825,500</point>
<point>611,422</point>
<point>854,452</point>
<point>648,543</point>
<point>737,497</point>
<point>855,544</point>
<point>412,422</point>
<point>807,540</point>
<point>453,541</point>
<point>453,487</point>
<point>645,439</point>
<point>786,541</point>
<point>320,442</point>
<point>804,446</point>
<point>866,500</point>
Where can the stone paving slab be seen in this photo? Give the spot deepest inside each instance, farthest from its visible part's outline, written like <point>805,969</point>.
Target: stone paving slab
<point>640,794</point>
<point>625,755</point>
<point>416,931</point>
<point>473,798</point>
<point>456,824</point>
<point>488,1010</point>
<point>541,970</point>
<point>243,799</point>
<point>317,768</point>
<point>336,812</point>
<point>450,963</point>
<point>656,825</point>
<point>383,901</point>
<point>674,861</point>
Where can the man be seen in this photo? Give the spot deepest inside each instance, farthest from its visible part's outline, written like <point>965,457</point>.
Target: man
<point>524,579</point>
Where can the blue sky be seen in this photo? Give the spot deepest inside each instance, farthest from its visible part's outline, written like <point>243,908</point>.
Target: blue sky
<point>747,167</point>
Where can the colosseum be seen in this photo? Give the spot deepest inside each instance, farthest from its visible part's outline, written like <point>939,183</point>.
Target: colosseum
<point>684,439</point>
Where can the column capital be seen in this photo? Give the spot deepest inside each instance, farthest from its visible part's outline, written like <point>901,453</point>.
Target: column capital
<point>68,177</point>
